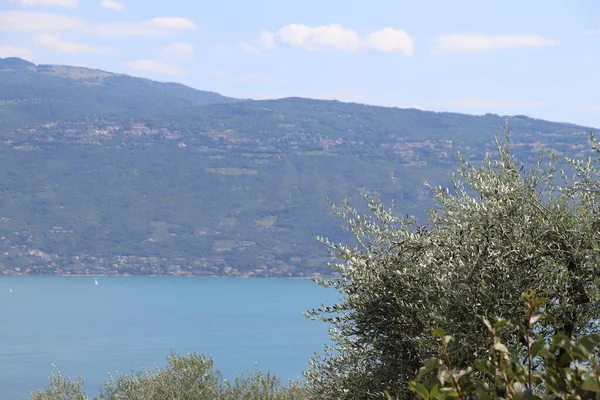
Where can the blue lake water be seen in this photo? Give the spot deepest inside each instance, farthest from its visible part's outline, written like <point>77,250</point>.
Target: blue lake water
<point>127,323</point>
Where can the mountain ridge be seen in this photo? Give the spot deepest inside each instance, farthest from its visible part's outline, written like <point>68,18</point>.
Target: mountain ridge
<point>34,94</point>
<point>92,75</point>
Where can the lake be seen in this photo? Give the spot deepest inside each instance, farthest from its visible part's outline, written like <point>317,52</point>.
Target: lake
<point>126,323</point>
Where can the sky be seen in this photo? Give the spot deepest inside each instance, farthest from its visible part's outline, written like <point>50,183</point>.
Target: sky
<point>534,58</point>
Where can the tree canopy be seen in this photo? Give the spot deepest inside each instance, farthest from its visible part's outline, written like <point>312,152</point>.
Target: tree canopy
<point>188,377</point>
<point>501,229</point>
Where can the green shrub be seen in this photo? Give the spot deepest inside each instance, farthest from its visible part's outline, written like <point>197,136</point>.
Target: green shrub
<point>189,377</point>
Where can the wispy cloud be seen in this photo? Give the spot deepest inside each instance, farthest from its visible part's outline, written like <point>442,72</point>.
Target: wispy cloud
<point>250,48</point>
<point>54,42</point>
<point>484,103</point>
<point>161,26</point>
<point>332,37</point>
<point>593,31</point>
<point>10,51</point>
<point>178,51</point>
<point>264,42</point>
<point>453,43</point>
<point>112,5</point>
<point>153,67</point>
<point>48,3</point>
<point>593,108</point>
<point>30,21</point>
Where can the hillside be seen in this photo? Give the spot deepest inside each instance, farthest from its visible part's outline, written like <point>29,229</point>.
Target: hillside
<point>33,94</point>
<point>221,189</point>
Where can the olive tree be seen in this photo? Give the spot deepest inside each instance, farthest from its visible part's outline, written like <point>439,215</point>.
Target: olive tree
<point>501,229</point>
<point>187,377</point>
<point>61,388</point>
<point>536,372</point>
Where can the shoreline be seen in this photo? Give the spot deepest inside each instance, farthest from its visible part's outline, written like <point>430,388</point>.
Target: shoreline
<point>158,276</point>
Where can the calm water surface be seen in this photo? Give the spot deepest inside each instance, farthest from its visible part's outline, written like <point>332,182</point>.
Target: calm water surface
<point>127,323</point>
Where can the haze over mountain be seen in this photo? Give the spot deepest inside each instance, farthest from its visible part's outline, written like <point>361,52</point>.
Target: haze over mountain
<point>107,172</point>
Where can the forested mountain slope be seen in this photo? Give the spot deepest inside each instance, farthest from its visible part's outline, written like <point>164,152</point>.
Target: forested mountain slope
<point>105,173</point>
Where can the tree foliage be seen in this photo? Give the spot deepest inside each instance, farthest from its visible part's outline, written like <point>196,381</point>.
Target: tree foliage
<point>501,230</point>
<point>189,377</point>
<point>61,388</point>
<point>558,368</point>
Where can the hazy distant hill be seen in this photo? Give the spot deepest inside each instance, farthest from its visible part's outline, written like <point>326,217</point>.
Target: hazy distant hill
<point>33,94</point>
<point>109,172</point>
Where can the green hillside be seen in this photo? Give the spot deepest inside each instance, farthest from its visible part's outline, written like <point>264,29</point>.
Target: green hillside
<point>110,181</point>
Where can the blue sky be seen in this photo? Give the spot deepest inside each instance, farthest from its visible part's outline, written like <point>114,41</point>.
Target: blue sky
<point>537,58</point>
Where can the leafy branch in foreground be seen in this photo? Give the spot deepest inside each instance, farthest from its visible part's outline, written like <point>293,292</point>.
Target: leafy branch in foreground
<point>557,368</point>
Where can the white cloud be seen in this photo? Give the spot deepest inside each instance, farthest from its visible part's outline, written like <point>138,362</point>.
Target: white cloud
<point>390,40</point>
<point>178,51</point>
<point>55,43</point>
<point>332,37</point>
<point>51,3</point>
<point>161,26</point>
<point>10,51</point>
<point>452,43</point>
<point>483,103</point>
<point>112,5</point>
<point>29,21</point>
<point>593,31</point>
<point>264,42</point>
<point>593,108</point>
<point>153,67</point>
<point>324,37</point>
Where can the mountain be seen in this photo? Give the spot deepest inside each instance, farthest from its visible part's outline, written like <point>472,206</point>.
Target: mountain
<point>208,185</point>
<point>33,94</point>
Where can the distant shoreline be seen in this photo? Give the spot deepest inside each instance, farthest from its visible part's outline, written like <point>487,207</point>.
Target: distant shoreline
<point>163,276</point>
